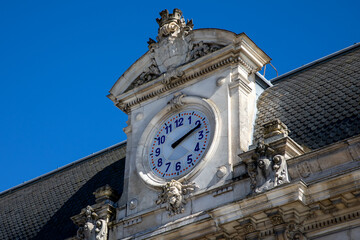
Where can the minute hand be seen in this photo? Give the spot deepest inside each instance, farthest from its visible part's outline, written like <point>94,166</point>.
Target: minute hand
<point>183,137</point>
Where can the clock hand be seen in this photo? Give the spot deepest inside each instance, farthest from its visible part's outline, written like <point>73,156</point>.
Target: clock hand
<point>183,137</point>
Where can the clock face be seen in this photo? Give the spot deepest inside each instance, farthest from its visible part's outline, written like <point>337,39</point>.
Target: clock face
<point>179,143</point>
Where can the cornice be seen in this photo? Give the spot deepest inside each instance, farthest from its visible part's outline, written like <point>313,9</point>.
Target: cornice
<point>159,86</point>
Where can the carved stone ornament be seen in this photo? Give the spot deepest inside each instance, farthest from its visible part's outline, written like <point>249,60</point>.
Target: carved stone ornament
<point>93,228</point>
<point>172,24</point>
<point>266,169</point>
<point>173,45</point>
<point>176,101</point>
<point>174,194</point>
<point>293,232</point>
<point>201,49</point>
<point>148,75</point>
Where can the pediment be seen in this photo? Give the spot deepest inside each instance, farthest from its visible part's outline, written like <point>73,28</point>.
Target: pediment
<point>180,52</point>
<point>158,60</point>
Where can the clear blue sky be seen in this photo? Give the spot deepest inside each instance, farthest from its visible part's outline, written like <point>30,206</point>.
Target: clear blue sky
<point>59,59</point>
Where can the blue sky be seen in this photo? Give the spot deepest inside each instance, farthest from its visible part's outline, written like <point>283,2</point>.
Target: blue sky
<point>59,59</point>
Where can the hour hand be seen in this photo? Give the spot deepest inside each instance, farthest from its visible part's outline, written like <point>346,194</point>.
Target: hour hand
<point>183,137</point>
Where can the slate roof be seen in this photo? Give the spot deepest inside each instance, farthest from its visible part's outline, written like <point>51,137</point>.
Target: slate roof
<point>319,103</point>
<point>41,208</point>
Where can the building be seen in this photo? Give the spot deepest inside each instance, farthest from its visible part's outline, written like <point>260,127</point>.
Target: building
<point>213,150</point>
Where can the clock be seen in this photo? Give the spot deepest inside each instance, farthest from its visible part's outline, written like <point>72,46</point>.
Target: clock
<point>177,141</point>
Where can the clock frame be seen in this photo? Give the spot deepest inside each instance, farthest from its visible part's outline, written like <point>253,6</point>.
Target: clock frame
<point>158,142</point>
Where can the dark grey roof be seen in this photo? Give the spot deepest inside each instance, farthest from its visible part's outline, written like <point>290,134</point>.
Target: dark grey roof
<point>41,208</point>
<point>319,103</point>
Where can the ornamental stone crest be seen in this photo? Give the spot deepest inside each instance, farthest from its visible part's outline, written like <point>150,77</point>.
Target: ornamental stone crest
<point>266,169</point>
<point>173,47</point>
<point>174,195</point>
<point>173,24</point>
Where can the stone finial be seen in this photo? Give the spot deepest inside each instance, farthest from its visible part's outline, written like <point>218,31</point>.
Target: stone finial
<point>274,128</point>
<point>105,193</point>
<point>170,24</point>
<point>174,194</point>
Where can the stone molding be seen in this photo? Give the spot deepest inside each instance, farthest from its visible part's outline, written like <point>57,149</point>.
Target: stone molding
<point>173,83</point>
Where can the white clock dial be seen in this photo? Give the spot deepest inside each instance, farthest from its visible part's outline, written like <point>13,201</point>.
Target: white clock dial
<point>179,143</point>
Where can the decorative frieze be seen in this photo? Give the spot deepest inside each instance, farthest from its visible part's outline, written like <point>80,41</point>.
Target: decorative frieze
<point>222,190</point>
<point>174,194</point>
<point>132,221</point>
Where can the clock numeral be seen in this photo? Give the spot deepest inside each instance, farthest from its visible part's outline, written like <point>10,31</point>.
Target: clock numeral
<point>159,163</point>
<point>179,122</point>
<point>197,122</point>
<point>168,129</point>
<point>168,165</point>
<point>197,147</point>
<point>157,152</point>
<point>189,119</point>
<point>178,166</point>
<point>189,159</point>
<point>201,135</point>
<point>161,140</point>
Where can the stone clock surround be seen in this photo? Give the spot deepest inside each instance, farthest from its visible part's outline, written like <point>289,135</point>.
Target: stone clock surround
<point>183,103</point>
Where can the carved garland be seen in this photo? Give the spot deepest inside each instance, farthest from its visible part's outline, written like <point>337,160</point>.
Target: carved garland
<point>179,81</point>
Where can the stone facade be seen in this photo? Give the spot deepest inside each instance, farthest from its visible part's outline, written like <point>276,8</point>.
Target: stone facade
<point>263,174</point>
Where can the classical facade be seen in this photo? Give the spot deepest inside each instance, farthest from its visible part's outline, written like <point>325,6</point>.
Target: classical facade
<point>213,150</point>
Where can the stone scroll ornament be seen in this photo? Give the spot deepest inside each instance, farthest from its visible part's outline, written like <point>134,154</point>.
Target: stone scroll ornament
<point>294,232</point>
<point>174,195</point>
<point>94,227</point>
<point>266,169</point>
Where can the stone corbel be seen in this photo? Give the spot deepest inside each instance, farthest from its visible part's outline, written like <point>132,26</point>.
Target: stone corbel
<point>175,194</point>
<point>93,220</point>
<point>91,226</point>
<point>266,169</point>
<point>294,232</point>
<point>248,229</point>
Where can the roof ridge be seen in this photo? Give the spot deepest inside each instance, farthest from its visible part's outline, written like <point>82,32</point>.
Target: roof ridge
<point>313,63</point>
<point>67,166</point>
